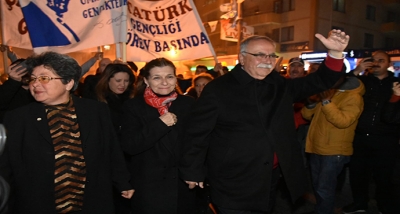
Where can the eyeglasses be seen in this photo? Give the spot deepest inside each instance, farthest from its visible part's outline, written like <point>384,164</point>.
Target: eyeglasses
<point>261,56</point>
<point>42,79</point>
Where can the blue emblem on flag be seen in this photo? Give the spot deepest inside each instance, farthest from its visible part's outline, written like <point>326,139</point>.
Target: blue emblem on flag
<point>42,27</point>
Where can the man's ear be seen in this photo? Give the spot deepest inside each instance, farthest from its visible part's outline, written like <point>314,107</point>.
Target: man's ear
<point>241,58</point>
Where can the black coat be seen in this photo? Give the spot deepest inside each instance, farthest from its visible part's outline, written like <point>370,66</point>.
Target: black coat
<point>377,94</point>
<point>391,112</point>
<point>115,103</point>
<point>12,96</point>
<point>89,86</point>
<point>28,160</point>
<point>154,150</point>
<point>235,129</point>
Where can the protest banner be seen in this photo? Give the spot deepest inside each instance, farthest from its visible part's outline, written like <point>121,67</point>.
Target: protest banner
<point>67,26</point>
<point>169,28</point>
<point>14,31</point>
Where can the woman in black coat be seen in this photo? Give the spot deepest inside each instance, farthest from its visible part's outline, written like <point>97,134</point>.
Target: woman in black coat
<point>151,133</point>
<point>115,86</point>
<point>61,154</point>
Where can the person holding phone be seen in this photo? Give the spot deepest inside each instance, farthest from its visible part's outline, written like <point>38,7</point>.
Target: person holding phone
<point>14,91</point>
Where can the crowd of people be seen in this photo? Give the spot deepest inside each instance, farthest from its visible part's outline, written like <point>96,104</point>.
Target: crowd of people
<point>147,142</point>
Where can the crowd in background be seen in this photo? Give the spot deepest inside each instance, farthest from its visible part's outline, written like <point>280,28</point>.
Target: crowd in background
<point>147,141</point>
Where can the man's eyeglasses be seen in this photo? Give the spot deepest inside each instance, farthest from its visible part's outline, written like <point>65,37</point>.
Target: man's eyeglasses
<point>42,79</point>
<point>261,56</point>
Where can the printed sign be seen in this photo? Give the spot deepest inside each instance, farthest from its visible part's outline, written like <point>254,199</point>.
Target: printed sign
<point>168,28</point>
<point>67,26</point>
<point>15,32</point>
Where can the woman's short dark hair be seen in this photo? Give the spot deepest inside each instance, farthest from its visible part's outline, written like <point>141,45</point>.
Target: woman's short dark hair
<point>62,65</point>
<point>158,62</point>
<point>102,88</point>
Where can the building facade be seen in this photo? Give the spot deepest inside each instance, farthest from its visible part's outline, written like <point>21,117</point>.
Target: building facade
<point>371,24</point>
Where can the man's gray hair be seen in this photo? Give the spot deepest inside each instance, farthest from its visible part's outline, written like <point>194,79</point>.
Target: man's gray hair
<point>245,42</point>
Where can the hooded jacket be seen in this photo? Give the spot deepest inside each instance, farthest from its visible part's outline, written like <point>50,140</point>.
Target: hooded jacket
<point>333,125</point>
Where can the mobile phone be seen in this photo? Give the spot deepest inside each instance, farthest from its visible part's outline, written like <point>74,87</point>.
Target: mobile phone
<point>369,60</point>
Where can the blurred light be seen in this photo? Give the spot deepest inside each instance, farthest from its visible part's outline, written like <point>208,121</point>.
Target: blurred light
<point>173,53</point>
<point>106,47</point>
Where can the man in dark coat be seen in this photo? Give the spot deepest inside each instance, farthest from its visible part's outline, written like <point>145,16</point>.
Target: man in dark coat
<point>242,127</point>
<point>376,141</point>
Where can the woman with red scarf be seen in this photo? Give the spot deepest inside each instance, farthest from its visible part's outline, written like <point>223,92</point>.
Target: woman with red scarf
<point>152,131</point>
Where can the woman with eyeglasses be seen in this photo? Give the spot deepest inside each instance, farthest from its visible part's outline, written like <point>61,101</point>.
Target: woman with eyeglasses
<point>152,132</point>
<point>62,153</point>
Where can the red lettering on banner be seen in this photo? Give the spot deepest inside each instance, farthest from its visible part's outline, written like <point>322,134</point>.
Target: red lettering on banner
<point>22,29</point>
<point>10,3</point>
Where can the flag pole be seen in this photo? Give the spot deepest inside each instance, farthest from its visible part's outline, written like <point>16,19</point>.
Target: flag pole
<point>125,11</point>
<point>5,58</point>
<point>239,24</point>
<point>123,51</point>
<point>118,51</point>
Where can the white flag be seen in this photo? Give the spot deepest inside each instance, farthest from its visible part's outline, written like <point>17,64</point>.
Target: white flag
<point>168,28</point>
<point>15,33</point>
<point>67,26</point>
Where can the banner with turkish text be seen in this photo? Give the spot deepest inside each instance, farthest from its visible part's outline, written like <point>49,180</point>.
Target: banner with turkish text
<point>170,28</point>
<point>15,33</point>
<point>67,26</point>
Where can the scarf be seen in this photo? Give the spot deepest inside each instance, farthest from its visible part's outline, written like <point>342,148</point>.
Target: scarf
<point>160,103</point>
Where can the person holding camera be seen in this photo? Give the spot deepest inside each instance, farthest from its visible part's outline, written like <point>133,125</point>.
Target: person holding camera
<point>375,141</point>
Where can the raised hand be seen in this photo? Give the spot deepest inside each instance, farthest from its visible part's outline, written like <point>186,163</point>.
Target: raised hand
<point>363,65</point>
<point>16,72</point>
<point>336,42</point>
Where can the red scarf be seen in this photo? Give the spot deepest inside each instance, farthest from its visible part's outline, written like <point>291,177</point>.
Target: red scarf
<point>160,103</point>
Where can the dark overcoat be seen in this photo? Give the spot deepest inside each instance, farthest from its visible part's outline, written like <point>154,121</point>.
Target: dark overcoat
<point>154,150</point>
<point>235,136</point>
<point>28,160</point>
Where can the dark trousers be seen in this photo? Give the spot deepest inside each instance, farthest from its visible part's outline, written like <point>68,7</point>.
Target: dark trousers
<point>271,203</point>
<point>324,170</point>
<point>396,181</point>
<point>374,156</point>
